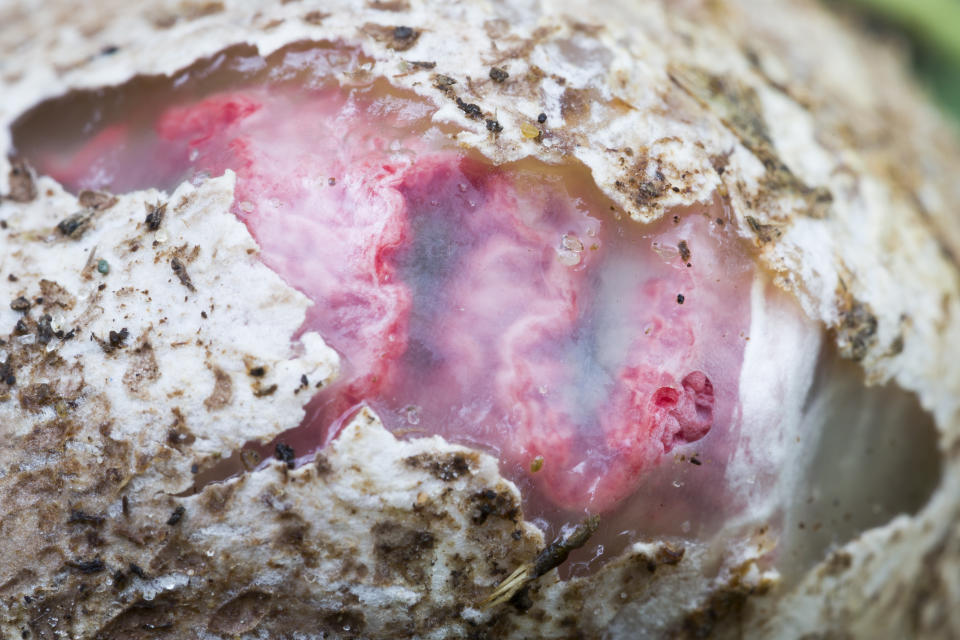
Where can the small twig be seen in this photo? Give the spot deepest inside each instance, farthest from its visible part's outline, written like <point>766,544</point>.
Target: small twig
<point>551,557</point>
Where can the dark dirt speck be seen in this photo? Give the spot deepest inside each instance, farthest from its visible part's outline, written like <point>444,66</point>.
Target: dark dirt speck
<point>488,503</point>
<point>88,566</point>
<point>402,551</point>
<point>22,186</point>
<point>446,467</point>
<point>180,270</point>
<point>177,515</point>
<point>96,200</point>
<point>155,214</point>
<point>472,110</point>
<point>403,33</point>
<point>494,126</point>
<point>498,75</point>
<point>285,453</point>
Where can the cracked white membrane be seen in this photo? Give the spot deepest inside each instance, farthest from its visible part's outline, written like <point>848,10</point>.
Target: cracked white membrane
<point>755,456</point>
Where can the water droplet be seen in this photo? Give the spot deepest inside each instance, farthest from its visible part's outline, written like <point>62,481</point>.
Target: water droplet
<point>199,178</point>
<point>570,250</point>
<point>412,414</point>
<point>568,258</point>
<point>571,242</point>
<point>194,154</point>
<point>677,484</point>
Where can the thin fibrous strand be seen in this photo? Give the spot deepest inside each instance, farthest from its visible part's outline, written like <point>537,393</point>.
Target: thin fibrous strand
<point>510,586</point>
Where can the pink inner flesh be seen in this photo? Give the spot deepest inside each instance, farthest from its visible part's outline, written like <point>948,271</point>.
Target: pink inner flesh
<point>502,307</point>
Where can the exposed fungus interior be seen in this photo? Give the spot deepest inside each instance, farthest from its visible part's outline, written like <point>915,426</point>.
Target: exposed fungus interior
<point>649,373</point>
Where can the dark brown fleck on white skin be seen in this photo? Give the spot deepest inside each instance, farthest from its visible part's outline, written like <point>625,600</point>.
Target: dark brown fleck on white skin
<point>96,200</point>
<point>498,75</point>
<point>389,5</point>
<point>489,503</point>
<point>155,214</point>
<point>262,392</point>
<point>180,270</point>
<point>315,17</point>
<point>766,233</point>
<point>176,516</point>
<point>445,467</point>
<point>74,226</point>
<point>857,329</point>
<point>143,369</point>
<point>22,185</point>
<point>444,83</point>
<point>55,295</point>
<point>222,390</point>
<point>402,550</point>
<point>398,38</point>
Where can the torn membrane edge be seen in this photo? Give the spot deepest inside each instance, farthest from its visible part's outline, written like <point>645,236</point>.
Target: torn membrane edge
<point>705,98</point>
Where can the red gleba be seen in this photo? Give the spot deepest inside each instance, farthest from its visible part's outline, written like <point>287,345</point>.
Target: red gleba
<point>497,306</point>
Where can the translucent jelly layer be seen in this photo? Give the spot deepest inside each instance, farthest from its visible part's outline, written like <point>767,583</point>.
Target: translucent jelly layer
<point>500,306</point>
<point>509,308</point>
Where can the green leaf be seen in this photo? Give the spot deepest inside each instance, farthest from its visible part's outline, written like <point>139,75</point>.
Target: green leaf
<point>934,23</point>
<point>933,27</point>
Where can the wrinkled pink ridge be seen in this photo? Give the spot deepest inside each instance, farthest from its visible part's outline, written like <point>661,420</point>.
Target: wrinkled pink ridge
<point>495,306</point>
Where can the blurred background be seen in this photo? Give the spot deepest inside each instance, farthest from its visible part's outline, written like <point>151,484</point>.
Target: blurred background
<point>930,29</point>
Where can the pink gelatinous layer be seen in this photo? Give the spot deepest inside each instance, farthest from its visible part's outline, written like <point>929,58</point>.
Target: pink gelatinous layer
<point>498,306</point>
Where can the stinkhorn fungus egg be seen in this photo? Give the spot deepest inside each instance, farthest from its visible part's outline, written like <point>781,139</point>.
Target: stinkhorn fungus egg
<point>508,307</point>
<point>576,339</point>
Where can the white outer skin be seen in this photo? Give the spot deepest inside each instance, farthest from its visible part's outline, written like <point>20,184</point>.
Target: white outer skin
<point>161,312</point>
